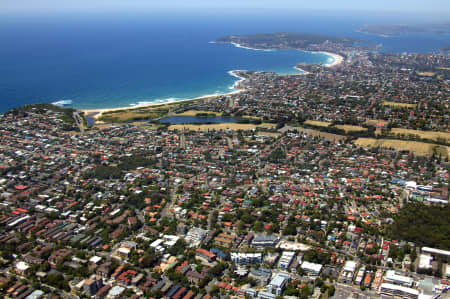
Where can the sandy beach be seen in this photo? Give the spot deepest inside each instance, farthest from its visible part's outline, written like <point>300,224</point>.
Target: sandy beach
<point>303,72</point>
<point>98,112</point>
<point>338,59</point>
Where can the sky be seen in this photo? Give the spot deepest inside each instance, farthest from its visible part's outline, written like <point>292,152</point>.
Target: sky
<point>438,7</point>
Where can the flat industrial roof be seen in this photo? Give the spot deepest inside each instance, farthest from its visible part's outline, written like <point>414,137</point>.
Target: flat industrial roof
<point>400,288</point>
<point>436,251</point>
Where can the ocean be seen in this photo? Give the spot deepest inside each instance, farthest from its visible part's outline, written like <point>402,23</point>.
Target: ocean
<point>112,60</point>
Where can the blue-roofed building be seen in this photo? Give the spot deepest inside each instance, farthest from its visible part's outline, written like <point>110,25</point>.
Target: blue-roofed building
<point>173,290</point>
<point>219,253</point>
<point>398,182</point>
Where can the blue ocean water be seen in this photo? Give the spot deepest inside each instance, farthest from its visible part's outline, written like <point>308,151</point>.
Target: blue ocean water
<point>110,60</point>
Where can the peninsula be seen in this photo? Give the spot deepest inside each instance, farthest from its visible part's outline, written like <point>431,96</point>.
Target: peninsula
<point>285,40</point>
<point>329,45</point>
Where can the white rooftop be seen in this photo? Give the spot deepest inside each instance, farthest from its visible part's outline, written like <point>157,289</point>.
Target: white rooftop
<point>288,245</point>
<point>425,261</point>
<point>311,266</point>
<point>244,255</point>
<point>350,266</point>
<point>392,276</point>
<point>279,279</point>
<point>116,291</point>
<point>95,259</point>
<point>22,266</point>
<point>435,251</point>
<point>400,288</point>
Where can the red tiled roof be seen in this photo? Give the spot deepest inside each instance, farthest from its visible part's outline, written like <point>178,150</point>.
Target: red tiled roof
<point>20,187</point>
<point>205,252</point>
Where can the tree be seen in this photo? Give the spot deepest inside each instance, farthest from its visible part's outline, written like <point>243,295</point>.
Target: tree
<point>178,248</point>
<point>290,229</point>
<point>214,291</point>
<point>258,226</point>
<point>218,269</point>
<point>331,291</point>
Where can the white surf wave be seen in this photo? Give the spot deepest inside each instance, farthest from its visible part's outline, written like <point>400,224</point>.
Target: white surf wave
<point>62,103</point>
<point>254,49</point>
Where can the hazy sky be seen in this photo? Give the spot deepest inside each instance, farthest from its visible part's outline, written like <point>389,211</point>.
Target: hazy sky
<point>441,7</point>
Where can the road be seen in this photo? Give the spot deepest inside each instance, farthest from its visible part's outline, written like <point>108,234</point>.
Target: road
<point>344,291</point>
<point>167,206</point>
<point>79,122</point>
<point>230,143</point>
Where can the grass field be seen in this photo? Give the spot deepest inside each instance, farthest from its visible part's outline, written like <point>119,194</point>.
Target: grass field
<point>328,136</point>
<point>418,148</point>
<point>426,74</point>
<point>223,126</point>
<point>126,114</point>
<point>422,134</point>
<point>349,128</point>
<point>123,116</point>
<point>269,134</point>
<point>317,123</point>
<point>143,125</point>
<point>374,122</point>
<point>346,128</point>
<point>396,104</point>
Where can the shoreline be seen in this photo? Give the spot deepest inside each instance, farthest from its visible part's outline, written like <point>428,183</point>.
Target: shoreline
<point>248,48</point>
<point>236,84</point>
<point>337,59</point>
<point>96,113</point>
<point>303,72</point>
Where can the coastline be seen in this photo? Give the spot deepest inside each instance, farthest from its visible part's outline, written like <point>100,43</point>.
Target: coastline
<point>97,113</point>
<point>248,48</point>
<point>337,59</point>
<point>303,72</point>
<point>236,84</point>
